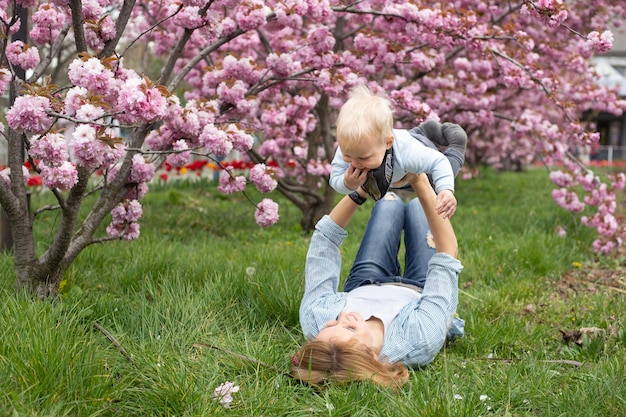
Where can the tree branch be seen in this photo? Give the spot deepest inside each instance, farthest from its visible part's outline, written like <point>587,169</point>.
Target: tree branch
<point>77,23</point>
<point>115,342</point>
<point>120,26</point>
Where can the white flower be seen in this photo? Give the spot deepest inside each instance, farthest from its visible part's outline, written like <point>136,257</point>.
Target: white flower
<point>484,397</point>
<point>458,397</point>
<point>223,393</point>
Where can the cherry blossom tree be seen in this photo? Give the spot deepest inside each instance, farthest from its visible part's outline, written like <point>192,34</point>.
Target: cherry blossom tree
<point>266,78</point>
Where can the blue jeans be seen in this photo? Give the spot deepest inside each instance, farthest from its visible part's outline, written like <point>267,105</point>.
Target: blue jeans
<point>377,259</point>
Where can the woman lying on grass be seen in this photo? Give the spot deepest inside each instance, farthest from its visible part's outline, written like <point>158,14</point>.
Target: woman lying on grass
<point>384,321</point>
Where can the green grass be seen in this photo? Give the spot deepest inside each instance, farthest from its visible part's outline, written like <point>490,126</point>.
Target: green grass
<point>204,273</point>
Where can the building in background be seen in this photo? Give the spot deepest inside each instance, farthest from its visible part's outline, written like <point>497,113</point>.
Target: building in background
<point>612,69</point>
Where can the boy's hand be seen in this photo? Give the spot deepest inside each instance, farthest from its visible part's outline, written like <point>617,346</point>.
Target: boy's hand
<point>354,178</point>
<point>446,204</point>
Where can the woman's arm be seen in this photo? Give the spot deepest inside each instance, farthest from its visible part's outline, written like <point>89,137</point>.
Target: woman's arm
<point>425,323</point>
<point>443,233</point>
<point>321,302</point>
<point>344,210</point>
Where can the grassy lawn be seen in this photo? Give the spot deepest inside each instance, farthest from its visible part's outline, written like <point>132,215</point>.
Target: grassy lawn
<point>545,317</point>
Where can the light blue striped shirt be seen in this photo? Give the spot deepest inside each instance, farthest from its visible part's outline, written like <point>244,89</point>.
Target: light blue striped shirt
<point>418,332</point>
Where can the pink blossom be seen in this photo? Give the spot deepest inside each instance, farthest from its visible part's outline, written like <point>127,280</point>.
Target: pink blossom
<point>124,220</point>
<point>141,170</point>
<point>63,176</point>
<point>608,226</point>
<point>133,211</point>
<point>189,17</point>
<point>98,34</point>
<point>91,74</point>
<point>281,64</point>
<point>241,140</point>
<point>321,39</point>
<point>252,16</point>
<point>589,182</point>
<point>562,179</point>
<point>159,139</point>
<point>215,140</point>
<point>118,214</point>
<point>181,155</point>
<point>107,28</point>
<point>596,197</point>
<point>5,174</point>
<point>224,392</point>
<point>618,180</point>
<point>269,147</point>
<point>89,113</point>
<point>132,232</point>
<point>5,80</point>
<point>20,54</point>
<point>113,153</point>
<point>137,192</point>
<point>27,3</point>
<point>29,113</point>
<point>47,23</point>
<point>604,247</point>
<point>230,183</point>
<point>568,200</point>
<point>140,102</point>
<point>263,178</point>
<point>232,92</point>
<point>87,150</point>
<point>127,212</point>
<point>318,169</point>
<point>50,148</point>
<point>74,99</point>
<point>601,43</point>
<point>266,213</point>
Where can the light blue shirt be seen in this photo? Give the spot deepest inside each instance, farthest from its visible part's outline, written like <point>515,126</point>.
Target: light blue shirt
<point>418,332</point>
<point>410,155</point>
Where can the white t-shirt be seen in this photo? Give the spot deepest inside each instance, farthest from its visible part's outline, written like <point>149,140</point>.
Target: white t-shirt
<point>381,301</point>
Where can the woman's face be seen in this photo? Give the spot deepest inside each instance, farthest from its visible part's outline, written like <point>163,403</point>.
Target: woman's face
<point>347,326</point>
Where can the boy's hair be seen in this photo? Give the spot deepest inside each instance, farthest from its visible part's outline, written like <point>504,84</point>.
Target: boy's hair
<point>342,362</point>
<point>364,114</point>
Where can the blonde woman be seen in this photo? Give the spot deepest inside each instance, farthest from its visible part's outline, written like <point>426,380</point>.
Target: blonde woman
<point>385,320</point>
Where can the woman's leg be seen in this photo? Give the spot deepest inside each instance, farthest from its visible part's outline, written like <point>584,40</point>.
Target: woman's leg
<point>419,243</point>
<point>377,258</point>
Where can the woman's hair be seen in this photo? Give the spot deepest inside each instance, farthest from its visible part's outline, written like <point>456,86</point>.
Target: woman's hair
<point>320,361</point>
<point>364,115</point>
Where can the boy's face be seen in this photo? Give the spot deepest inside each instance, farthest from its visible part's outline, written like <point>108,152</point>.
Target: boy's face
<point>366,154</point>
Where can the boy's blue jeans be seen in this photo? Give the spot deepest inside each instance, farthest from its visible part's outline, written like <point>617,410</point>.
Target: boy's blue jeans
<point>377,259</point>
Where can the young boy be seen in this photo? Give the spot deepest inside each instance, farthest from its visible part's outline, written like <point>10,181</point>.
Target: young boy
<point>372,155</point>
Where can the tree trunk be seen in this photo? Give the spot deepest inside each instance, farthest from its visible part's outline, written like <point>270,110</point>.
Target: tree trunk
<point>312,213</point>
